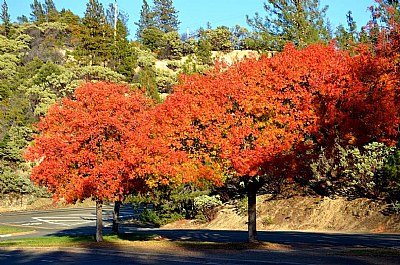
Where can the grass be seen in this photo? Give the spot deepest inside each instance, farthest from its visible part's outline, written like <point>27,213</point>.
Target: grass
<point>150,242</point>
<point>5,230</point>
<point>74,241</point>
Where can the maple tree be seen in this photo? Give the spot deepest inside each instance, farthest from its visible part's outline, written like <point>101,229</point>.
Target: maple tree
<point>81,141</point>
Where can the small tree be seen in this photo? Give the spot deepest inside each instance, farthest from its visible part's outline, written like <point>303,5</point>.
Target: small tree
<point>5,17</point>
<point>50,11</point>
<point>171,46</point>
<point>299,21</point>
<point>38,14</point>
<point>80,145</point>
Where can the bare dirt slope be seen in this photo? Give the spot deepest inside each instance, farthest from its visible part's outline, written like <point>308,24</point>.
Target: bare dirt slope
<point>307,214</point>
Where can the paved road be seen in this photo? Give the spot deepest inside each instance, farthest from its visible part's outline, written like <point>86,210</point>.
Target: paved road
<point>311,247</point>
<point>71,220</point>
<point>138,256</point>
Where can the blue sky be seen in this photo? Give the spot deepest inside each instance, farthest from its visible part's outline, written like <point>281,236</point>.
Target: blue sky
<point>196,13</point>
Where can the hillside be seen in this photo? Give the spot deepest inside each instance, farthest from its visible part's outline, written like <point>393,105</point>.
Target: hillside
<point>307,214</point>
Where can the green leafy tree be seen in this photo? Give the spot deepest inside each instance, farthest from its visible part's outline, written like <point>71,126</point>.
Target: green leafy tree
<point>11,53</point>
<point>5,17</point>
<point>203,52</point>
<point>220,38</point>
<point>171,46</point>
<point>299,21</point>
<point>239,36</point>
<point>165,16</point>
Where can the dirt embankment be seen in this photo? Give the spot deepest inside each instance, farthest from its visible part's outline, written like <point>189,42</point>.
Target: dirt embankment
<point>308,214</point>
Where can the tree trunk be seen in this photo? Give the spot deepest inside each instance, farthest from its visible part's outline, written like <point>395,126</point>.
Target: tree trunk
<point>252,211</point>
<point>117,207</point>
<point>99,220</point>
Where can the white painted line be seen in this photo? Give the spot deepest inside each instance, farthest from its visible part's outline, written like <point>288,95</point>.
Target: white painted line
<point>50,220</point>
<point>28,224</point>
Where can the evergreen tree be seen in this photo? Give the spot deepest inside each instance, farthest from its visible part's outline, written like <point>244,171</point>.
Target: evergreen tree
<point>165,16</point>
<point>37,14</point>
<point>22,19</point>
<point>50,11</point>
<point>96,37</point>
<point>299,21</point>
<point>5,17</point>
<point>146,20</point>
<point>347,37</point>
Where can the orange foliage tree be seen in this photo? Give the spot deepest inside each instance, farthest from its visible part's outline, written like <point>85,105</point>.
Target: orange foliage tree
<point>262,118</point>
<point>80,144</point>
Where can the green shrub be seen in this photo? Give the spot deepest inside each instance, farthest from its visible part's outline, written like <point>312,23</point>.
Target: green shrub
<point>351,171</point>
<point>205,207</point>
<point>153,217</point>
<point>267,220</point>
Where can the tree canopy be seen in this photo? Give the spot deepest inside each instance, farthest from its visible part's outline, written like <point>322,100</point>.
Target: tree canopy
<point>80,143</point>
<point>299,21</point>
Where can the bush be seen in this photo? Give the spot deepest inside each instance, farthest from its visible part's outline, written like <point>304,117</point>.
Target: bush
<point>205,207</point>
<point>165,81</point>
<point>351,171</point>
<point>153,217</point>
<point>171,46</point>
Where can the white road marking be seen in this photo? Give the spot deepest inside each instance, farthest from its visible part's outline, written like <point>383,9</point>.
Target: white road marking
<point>63,220</point>
<point>29,224</point>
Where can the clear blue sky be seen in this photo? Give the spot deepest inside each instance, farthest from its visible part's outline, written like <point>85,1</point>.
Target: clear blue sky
<point>196,13</point>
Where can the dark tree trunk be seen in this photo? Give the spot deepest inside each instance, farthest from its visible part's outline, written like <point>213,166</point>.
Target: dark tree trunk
<point>252,211</point>
<point>117,207</point>
<point>99,220</point>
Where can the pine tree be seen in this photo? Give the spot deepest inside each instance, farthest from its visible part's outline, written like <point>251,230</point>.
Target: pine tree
<point>347,37</point>
<point>165,16</point>
<point>96,38</point>
<point>5,17</point>
<point>123,59</point>
<point>299,21</point>
<point>37,14</point>
<point>50,11</point>
<point>146,20</point>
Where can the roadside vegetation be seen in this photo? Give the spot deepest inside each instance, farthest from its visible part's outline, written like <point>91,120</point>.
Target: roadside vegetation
<point>148,242</point>
<point>6,230</point>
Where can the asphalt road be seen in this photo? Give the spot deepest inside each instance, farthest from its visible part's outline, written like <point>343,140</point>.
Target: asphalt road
<point>308,248</point>
<point>72,220</point>
<point>137,256</point>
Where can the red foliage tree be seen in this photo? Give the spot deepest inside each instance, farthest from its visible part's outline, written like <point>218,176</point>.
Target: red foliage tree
<point>261,117</point>
<point>81,141</point>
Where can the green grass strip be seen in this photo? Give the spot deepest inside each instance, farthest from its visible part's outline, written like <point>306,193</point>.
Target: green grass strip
<point>73,241</point>
<point>5,230</point>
